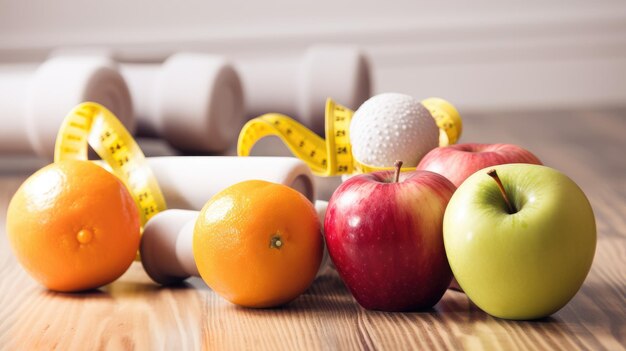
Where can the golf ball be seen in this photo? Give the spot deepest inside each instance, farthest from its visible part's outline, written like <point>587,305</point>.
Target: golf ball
<point>390,127</point>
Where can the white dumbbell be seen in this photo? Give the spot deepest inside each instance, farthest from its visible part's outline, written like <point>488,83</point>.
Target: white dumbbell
<point>167,245</point>
<point>187,184</point>
<point>34,100</point>
<point>299,87</point>
<point>192,100</point>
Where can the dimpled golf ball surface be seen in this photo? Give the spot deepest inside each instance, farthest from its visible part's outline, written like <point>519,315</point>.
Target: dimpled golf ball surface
<point>390,127</point>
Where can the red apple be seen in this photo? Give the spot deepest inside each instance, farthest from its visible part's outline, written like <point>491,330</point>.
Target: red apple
<point>384,235</point>
<point>457,162</point>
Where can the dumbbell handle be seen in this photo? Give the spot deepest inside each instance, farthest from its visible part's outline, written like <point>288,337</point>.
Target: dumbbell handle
<point>167,245</point>
<point>187,184</point>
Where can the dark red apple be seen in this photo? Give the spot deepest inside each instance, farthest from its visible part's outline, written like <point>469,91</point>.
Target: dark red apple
<point>384,235</point>
<point>457,162</point>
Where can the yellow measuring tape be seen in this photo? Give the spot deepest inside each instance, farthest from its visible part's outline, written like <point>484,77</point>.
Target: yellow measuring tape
<point>333,156</point>
<point>92,124</point>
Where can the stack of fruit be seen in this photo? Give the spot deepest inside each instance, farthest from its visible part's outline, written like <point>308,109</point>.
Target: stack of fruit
<point>519,237</point>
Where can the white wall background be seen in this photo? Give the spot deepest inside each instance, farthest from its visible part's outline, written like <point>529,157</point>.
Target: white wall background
<point>480,54</point>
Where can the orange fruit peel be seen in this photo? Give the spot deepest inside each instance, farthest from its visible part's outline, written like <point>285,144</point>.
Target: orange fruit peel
<point>73,226</point>
<point>258,244</point>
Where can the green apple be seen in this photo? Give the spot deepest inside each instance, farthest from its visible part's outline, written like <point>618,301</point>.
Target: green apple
<point>523,262</point>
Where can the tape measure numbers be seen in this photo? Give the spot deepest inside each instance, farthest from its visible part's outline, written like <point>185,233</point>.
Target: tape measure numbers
<point>302,142</point>
<point>333,156</point>
<point>338,145</point>
<point>92,124</point>
<point>324,157</point>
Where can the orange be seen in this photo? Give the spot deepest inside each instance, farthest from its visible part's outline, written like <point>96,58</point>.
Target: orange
<point>258,244</point>
<point>73,226</point>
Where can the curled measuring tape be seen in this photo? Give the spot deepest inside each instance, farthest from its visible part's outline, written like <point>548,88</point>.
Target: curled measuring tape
<point>333,155</point>
<point>92,124</point>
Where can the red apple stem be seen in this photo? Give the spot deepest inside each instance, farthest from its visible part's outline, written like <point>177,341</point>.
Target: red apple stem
<point>398,166</point>
<point>493,174</point>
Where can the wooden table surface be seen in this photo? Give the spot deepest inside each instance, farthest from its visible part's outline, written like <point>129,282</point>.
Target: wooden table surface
<point>134,313</point>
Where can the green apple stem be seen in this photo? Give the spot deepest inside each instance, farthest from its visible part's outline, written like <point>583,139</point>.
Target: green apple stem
<point>398,166</point>
<point>493,174</point>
